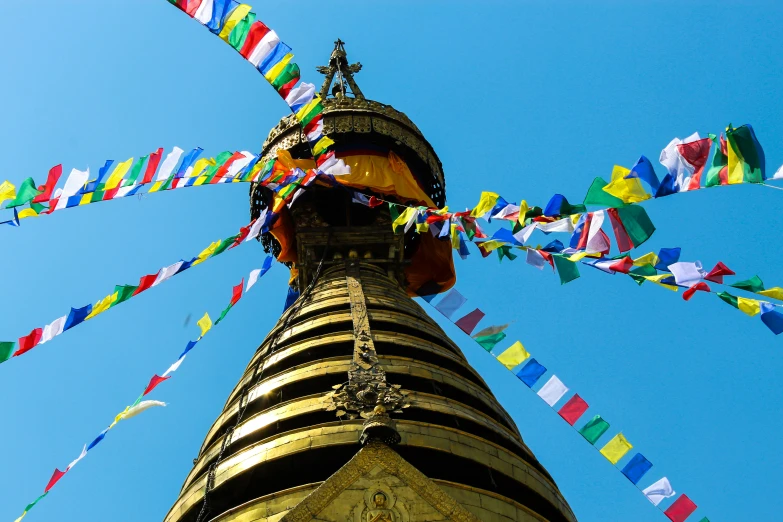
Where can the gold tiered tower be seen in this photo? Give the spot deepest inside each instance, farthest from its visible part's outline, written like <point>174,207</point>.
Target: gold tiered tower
<point>357,406</point>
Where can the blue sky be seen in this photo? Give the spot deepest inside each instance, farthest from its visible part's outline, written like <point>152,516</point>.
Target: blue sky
<point>517,97</point>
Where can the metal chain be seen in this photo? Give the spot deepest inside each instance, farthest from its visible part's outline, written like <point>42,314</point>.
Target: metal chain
<point>244,398</point>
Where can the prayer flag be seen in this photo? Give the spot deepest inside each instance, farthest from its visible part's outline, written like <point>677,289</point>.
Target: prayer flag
<point>156,379</point>
<point>616,448</point>
<point>167,168</point>
<point>686,274</point>
<point>594,428</point>
<point>26,193</point>
<point>140,407</point>
<point>535,258</point>
<point>488,342</point>
<point>531,372</point>
<point>552,391</point>
<point>513,355</point>
<point>256,274</point>
<point>190,346</point>
<point>684,159</point>
<point>97,439</point>
<point>29,341</point>
<point>145,283</point>
<point>77,459</point>
<point>637,224</point>
<point>468,323</point>
<point>769,316</point>
<point>452,302</point>
<point>6,349</point>
<point>566,270</point>
<point>636,468</point>
<point>717,174</point>
<point>644,170</point>
<point>73,186</point>
<point>51,180</point>
<point>77,316</point>
<point>666,257</point>
<point>485,204</point>
<point>680,509</point>
<point>749,307</point>
<point>775,292</point>
<point>123,292</point>
<point>7,191</point>
<point>716,274</point>
<point>596,195</point>
<point>754,284</point>
<point>558,205</point>
<point>166,272</point>
<point>659,491</point>
<point>623,241</point>
<point>53,329</point>
<point>728,298</point>
<point>490,330</point>
<point>692,290</point>
<point>573,409</point>
<point>205,323</point>
<point>746,161</point>
<point>101,306</point>
<point>627,189</point>
<point>57,475</point>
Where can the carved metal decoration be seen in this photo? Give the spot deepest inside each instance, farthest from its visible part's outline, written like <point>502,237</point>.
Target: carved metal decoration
<point>338,65</point>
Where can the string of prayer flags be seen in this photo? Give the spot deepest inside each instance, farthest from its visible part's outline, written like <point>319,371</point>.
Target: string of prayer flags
<point>553,391</point>
<point>139,405</point>
<point>121,294</point>
<point>237,25</point>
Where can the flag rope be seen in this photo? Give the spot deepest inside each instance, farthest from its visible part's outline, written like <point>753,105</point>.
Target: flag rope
<point>139,405</point>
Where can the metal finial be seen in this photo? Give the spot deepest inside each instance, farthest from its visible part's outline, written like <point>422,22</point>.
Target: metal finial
<point>339,67</point>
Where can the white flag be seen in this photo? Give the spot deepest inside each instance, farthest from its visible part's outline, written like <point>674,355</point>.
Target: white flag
<point>140,407</point>
<point>687,274</point>
<point>676,164</point>
<point>204,12</point>
<point>166,272</point>
<point>523,235</point>
<point>252,279</point>
<point>508,210</point>
<point>173,367</point>
<point>53,329</point>
<point>74,183</point>
<point>603,265</point>
<point>263,48</point>
<point>596,242</point>
<point>778,173</point>
<point>80,457</point>
<point>169,163</point>
<point>535,258</point>
<point>239,164</point>
<point>561,225</point>
<point>659,491</point>
<point>301,94</point>
<point>553,391</point>
<point>255,229</point>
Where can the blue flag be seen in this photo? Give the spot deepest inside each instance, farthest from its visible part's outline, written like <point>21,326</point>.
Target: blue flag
<point>451,303</point>
<point>636,468</point>
<point>531,372</point>
<point>666,257</point>
<point>76,316</point>
<point>645,172</point>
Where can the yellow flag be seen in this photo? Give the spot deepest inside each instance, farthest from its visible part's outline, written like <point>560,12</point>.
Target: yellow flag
<point>233,19</point>
<point>119,172</point>
<point>86,199</point>
<point>205,323</point>
<point>200,181</point>
<point>513,355</point>
<point>736,171</point>
<point>402,219</point>
<point>485,204</point>
<point>629,190</point>
<point>207,252</point>
<point>26,213</point>
<point>454,237</point>
<point>616,448</point>
<point>7,191</point>
<point>324,143</point>
<point>775,292</point>
<point>523,208</point>
<point>202,164</point>
<point>491,245</point>
<point>102,305</point>
<point>646,259</point>
<point>657,280</point>
<point>272,74</point>
<point>749,306</point>
<point>422,227</point>
<point>578,256</point>
<point>119,416</point>
<point>301,113</point>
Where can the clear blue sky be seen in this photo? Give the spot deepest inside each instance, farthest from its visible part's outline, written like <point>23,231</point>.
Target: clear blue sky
<point>517,97</point>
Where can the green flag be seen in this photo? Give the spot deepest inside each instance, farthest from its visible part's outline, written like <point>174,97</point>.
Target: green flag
<point>718,163</point>
<point>743,141</point>
<point>597,196</point>
<point>219,161</point>
<point>505,251</point>
<point>488,342</point>
<point>223,313</point>
<point>594,428</point>
<point>25,193</point>
<point>135,172</point>
<point>727,297</point>
<point>225,244</point>
<point>567,270</point>
<point>754,284</point>
<point>638,273</point>
<point>239,33</point>
<point>124,292</point>
<point>637,223</point>
<point>6,350</point>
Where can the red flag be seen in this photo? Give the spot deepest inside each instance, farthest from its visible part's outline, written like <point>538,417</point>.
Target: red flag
<point>237,292</point>
<point>152,165</point>
<point>623,266</point>
<point>548,258</point>
<point>29,341</point>
<point>285,89</point>
<point>223,170</point>
<point>573,409</point>
<point>585,232</point>
<point>54,175</point>
<point>324,157</point>
<point>312,124</point>
<point>57,475</point>
<point>701,285</point>
<point>469,322</point>
<point>375,202</point>
<point>623,241</point>
<point>717,273</point>
<point>695,153</point>
<point>257,31</point>
<point>156,379</point>
<point>681,509</point>
<point>145,282</point>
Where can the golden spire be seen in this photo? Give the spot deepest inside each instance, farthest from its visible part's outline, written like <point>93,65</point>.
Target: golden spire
<point>338,67</point>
